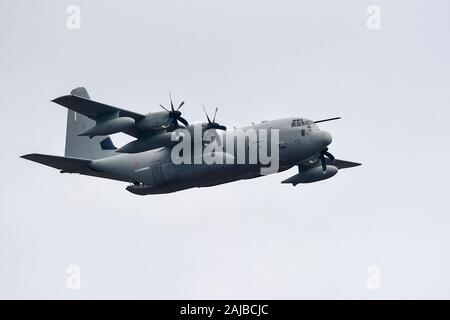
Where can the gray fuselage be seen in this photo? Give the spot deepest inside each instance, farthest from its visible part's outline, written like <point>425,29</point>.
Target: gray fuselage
<point>154,172</point>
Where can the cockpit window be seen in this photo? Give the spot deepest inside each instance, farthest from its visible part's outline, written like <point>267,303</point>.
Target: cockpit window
<point>297,123</point>
<point>311,124</point>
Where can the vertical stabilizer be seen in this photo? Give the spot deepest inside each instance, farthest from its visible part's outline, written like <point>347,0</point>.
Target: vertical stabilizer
<point>84,147</point>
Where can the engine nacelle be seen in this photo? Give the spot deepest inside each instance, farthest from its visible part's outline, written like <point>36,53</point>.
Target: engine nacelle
<point>109,127</point>
<point>154,121</point>
<point>312,175</point>
<point>144,144</point>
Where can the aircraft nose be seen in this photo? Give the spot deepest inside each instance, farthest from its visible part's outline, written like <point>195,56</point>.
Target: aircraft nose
<point>321,139</point>
<point>313,143</point>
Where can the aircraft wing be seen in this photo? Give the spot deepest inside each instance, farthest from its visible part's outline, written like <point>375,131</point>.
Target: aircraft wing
<point>340,164</point>
<point>93,109</point>
<point>80,102</point>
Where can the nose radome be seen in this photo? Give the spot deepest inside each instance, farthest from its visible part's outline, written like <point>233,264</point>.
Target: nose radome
<point>322,139</point>
<point>314,143</point>
<point>327,138</point>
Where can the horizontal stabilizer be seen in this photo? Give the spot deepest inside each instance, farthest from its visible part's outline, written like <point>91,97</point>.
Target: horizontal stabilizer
<point>72,165</point>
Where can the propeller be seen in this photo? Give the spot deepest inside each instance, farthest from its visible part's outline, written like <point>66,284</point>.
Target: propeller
<point>175,115</point>
<point>324,153</point>
<point>213,124</point>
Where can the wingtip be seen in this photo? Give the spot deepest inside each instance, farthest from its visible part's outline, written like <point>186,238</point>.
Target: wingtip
<point>27,156</point>
<point>59,99</point>
<point>355,164</point>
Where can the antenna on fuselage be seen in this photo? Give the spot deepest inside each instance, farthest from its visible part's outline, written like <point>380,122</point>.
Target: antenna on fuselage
<point>330,119</point>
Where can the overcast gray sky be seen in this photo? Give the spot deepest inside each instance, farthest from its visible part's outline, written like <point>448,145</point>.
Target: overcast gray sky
<point>256,60</point>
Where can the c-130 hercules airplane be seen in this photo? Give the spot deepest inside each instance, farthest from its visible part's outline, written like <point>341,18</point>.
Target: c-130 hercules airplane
<point>151,163</point>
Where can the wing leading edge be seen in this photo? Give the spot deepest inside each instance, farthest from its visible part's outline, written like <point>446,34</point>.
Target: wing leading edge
<point>80,102</point>
<point>93,109</point>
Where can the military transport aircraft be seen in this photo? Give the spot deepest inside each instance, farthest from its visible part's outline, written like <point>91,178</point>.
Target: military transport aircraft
<point>147,162</point>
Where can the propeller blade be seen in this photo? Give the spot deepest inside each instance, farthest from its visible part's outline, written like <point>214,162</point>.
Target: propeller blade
<point>163,107</point>
<point>330,119</point>
<point>171,102</point>
<point>215,113</point>
<point>329,155</point>
<point>181,104</point>
<point>183,121</point>
<point>323,162</point>
<point>206,113</point>
<point>212,124</point>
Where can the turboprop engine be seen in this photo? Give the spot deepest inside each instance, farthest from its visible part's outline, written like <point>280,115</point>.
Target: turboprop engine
<point>144,144</point>
<point>108,127</point>
<point>312,174</point>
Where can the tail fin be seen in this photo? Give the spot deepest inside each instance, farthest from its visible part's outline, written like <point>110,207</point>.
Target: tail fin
<point>85,147</point>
